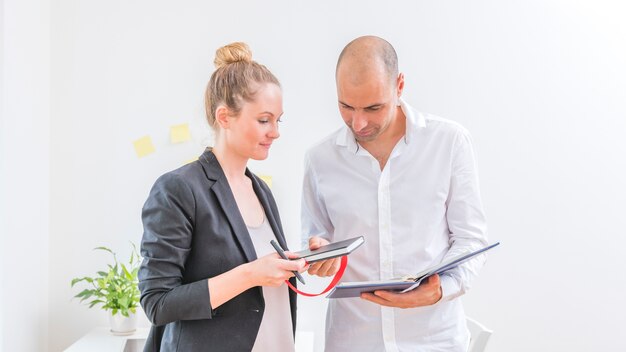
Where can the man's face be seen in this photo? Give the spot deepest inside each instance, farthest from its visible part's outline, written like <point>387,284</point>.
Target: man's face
<point>368,105</point>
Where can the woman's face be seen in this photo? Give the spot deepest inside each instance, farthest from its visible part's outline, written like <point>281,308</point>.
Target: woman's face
<point>251,134</point>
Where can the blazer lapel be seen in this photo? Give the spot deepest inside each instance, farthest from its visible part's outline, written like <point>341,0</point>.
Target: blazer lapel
<point>224,195</point>
<point>271,217</point>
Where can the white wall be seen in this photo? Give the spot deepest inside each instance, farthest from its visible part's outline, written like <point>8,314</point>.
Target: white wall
<point>540,84</point>
<point>3,209</point>
<point>25,170</point>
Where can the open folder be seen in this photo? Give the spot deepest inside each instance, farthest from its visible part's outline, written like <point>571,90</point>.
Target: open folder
<point>405,284</point>
<point>331,250</point>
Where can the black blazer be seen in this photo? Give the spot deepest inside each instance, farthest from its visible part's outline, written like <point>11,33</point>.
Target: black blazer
<point>193,230</point>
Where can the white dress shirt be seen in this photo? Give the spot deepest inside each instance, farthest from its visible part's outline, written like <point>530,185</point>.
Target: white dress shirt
<point>423,207</point>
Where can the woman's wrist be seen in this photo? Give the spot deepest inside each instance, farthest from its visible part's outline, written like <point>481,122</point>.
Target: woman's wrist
<point>246,275</point>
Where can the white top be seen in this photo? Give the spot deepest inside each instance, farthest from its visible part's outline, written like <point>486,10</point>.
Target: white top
<point>422,208</point>
<point>276,330</point>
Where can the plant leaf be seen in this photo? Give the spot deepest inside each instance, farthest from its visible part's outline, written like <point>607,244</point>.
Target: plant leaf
<point>128,275</point>
<point>74,281</point>
<point>123,301</point>
<point>83,293</point>
<point>104,249</point>
<point>87,295</point>
<point>94,302</point>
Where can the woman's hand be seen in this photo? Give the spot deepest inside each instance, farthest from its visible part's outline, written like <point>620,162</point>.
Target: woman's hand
<point>272,270</point>
<point>327,267</point>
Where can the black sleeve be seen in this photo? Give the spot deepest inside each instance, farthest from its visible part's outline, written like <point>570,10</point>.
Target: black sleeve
<point>167,218</point>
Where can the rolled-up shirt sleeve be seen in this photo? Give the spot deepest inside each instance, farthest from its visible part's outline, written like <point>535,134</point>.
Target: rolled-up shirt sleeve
<point>167,218</point>
<point>466,218</point>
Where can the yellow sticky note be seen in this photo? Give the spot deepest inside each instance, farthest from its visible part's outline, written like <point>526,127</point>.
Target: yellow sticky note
<point>180,133</point>
<point>267,179</point>
<point>190,160</point>
<point>144,146</point>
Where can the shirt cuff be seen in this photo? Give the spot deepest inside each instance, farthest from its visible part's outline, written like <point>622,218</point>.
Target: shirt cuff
<point>450,288</point>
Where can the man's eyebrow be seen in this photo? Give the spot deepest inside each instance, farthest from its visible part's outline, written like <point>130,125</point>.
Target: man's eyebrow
<point>377,105</point>
<point>373,106</point>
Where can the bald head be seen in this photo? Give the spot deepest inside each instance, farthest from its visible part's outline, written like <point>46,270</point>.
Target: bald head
<point>365,57</point>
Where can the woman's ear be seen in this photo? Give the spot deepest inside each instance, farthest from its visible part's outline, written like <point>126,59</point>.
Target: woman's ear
<point>222,116</point>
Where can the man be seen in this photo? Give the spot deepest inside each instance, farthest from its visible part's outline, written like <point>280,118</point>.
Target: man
<point>407,182</point>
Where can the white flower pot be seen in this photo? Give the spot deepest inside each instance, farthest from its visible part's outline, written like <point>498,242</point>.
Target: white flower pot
<point>121,325</point>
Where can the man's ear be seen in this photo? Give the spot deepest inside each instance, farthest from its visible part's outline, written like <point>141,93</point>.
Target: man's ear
<point>400,84</point>
<point>222,116</point>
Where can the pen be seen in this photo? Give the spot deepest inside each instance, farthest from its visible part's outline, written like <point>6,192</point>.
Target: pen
<point>284,256</point>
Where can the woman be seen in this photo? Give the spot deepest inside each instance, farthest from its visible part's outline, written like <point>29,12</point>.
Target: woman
<point>210,280</point>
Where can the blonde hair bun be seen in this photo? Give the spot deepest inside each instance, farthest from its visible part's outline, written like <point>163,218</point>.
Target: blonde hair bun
<point>231,53</point>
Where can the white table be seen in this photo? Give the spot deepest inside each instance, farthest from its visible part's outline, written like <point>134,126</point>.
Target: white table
<point>101,340</point>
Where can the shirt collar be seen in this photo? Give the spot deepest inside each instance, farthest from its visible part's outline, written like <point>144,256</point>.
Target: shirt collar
<point>414,119</point>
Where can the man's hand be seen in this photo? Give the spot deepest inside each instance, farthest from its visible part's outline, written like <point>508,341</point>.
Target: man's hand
<point>426,294</point>
<point>327,267</point>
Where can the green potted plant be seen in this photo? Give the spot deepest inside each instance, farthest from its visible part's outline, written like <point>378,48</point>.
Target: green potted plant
<point>115,290</point>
